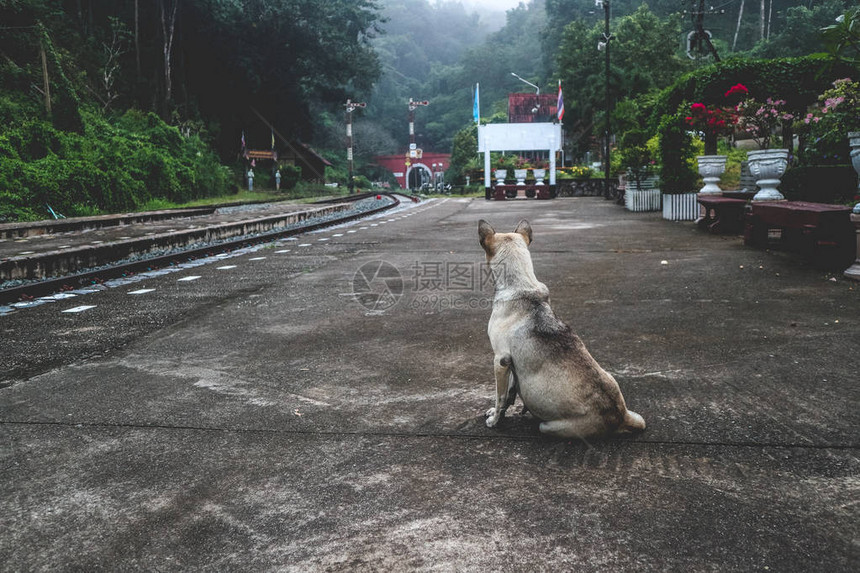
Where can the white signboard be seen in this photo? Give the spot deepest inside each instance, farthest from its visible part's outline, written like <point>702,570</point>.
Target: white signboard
<point>519,137</point>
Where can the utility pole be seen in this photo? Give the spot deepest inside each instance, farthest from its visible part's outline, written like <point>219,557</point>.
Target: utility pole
<point>699,35</point>
<point>351,106</point>
<point>413,149</point>
<point>603,45</point>
<point>738,27</point>
<point>47,83</point>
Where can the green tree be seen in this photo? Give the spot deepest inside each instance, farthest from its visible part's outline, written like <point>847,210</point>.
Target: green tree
<point>799,31</point>
<point>644,58</point>
<point>463,152</point>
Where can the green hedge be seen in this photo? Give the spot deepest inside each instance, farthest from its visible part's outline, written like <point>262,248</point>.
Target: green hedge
<point>820,183</point>
<point>677,155</point>
<point>799,81</point>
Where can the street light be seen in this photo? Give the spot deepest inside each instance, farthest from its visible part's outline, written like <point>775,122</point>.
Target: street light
<point>603,46</point>
<point>526,82</point>
<point>536,108</point>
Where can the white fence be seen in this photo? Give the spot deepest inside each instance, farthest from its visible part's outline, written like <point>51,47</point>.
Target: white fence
<point>644,197</point>
<point>681,207</point>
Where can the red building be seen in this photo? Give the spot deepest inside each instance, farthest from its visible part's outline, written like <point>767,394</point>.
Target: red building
<point>415,171</point>
<point>532,108</point>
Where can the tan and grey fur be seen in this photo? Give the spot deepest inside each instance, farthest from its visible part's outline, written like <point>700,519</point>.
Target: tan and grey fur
<point>538,357</point>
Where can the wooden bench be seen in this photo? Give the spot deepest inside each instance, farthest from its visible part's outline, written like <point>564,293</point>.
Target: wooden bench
<point>822,232</point>
<point>722,214</point>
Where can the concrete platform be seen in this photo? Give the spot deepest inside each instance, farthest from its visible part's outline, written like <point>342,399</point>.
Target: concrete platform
<point>69,225</point>
<point>93,242</point>
<point>260,417</point>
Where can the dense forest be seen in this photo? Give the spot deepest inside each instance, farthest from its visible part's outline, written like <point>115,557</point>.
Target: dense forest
<point>108,104</point>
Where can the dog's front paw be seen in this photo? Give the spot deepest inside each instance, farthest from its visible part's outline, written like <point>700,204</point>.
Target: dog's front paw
<point>492,417</point>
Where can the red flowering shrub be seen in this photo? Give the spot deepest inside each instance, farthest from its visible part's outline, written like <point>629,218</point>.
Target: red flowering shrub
<point>712,122</point>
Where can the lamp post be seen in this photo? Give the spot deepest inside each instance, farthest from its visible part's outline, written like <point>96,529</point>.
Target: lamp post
<point>536,108</point>
<point>350,106</point>
<point>603,46</point>
<point>527,82</point>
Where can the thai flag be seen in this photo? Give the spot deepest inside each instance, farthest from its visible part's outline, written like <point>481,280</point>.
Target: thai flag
<point>560,104</point>
<point>243,139</point>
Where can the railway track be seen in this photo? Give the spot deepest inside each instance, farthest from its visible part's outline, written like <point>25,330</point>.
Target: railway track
<point>113,269</point>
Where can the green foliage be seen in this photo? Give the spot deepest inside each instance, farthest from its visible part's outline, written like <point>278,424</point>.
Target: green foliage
<point>799,34</point>
<point>290,176</point>
<point>820,183</point>
<point>575,172</point>
<point>65,113</point>
<point>634,154</point>
<point>677,155</point>
<point>420,52</point>
<point>112,166</point>
<point>798,81</point>
<point>644,58</point>
<point>824,130</point>
<point>731,177</point>
<point>463,153</point>
<point>842,39</point>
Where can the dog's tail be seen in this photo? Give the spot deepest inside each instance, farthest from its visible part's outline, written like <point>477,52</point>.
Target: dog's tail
<point>513,386</point>
<point>633,423</point>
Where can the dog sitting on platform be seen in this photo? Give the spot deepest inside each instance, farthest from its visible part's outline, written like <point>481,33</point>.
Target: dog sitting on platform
<point>538,357</point>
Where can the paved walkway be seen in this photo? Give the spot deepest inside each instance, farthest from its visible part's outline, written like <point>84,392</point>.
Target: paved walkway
<point>253,414</point>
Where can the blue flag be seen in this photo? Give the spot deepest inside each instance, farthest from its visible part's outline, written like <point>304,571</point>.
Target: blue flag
<point>476,106</point>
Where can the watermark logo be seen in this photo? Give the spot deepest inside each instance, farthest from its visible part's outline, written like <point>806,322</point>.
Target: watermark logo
<point>430,287</point>
<point>377,285</point>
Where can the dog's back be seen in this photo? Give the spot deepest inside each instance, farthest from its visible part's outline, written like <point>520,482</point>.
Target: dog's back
<point>556,377</point>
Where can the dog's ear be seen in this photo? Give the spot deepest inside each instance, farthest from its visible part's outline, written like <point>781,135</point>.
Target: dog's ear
<point>524,229</point>
<point>485,233</point>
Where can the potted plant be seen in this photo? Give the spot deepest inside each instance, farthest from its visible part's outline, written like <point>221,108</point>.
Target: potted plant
<point>832,125</point>
<point>521,170</point>
<point>767,165</point>
<point>539,172</point>
<point>677,185</point>
<point>637,160</point>
<point>712,122</point>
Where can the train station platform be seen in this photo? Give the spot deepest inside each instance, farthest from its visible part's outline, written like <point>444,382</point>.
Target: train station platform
<point>317,405</point>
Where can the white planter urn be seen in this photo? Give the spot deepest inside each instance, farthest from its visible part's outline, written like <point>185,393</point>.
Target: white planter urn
<point>540,175</point>
<point>710,168</point>
<point>521,175</point>
<point>854,143</point>
<point>768,166</point>
<point>500,175</point>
